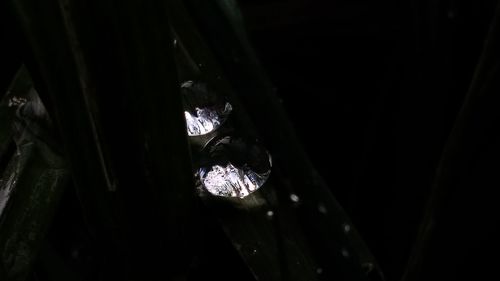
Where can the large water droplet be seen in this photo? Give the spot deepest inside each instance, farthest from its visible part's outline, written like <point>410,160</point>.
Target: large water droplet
<point>204,110</point>
<point>234,167</point>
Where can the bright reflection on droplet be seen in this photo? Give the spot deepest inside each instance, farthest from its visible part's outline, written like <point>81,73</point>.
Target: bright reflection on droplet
<point>205,120</point>
<point>270,214</point>
<point>294,198</point>
<point>347,228</point>
<point>235,168</point>
<point>204,110</point>
<point>17,101</point>
<point>231,181</point>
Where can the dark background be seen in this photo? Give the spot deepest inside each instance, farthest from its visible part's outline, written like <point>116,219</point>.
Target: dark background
<point>373,89</point>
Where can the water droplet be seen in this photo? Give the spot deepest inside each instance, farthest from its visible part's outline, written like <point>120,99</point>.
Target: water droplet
<point>234,167</point>
<point>345,253</point>
<point>204,110</point>
<point>270,213</point>
<point>322,208</point>
<point>175,43</point>
<point>347,228</point>
<point>294,198</point>
<point>319,270</point>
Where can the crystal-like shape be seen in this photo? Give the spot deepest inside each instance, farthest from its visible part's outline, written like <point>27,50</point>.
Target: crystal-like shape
<point>205,120</point>
<point>204,110</point>
<point>235,168</point>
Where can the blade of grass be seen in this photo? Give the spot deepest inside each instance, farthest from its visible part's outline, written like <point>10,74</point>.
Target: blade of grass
<point>272,247</point>
<point>222,30</point>
<point>31,184</point>
<point>475,125</point>
<point>109,70</point>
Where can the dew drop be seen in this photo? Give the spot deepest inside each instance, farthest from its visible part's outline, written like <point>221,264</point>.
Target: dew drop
<point>270,213</point>
<point>204,110</point>
<point>347,228</point>
<point>235,167</point>
<point>294,198</point>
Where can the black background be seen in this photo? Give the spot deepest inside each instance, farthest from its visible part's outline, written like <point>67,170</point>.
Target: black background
<point>373,89</point>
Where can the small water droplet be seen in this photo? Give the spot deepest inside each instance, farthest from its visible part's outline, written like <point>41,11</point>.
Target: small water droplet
<point>254,251</point>
<point>347,228</point>
<point>235,167</point>
<point>345,253</point>
<point>294,198</point>
<point>203,109</point>
<point>270,213</point>
<point>319,270</point>
<point>175,42</point>
<point>322,208</point>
